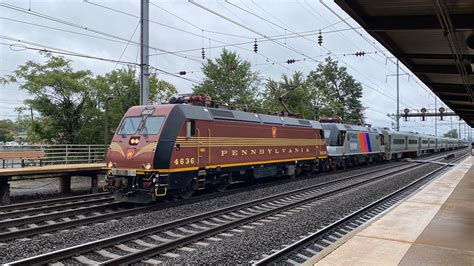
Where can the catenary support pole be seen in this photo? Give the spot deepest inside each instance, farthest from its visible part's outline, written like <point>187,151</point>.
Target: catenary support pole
<point>398,98</point>
<point>144,53</point>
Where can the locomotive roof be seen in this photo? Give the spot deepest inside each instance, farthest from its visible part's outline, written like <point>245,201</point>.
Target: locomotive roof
<point>347,127</point>
<point>206,113</point>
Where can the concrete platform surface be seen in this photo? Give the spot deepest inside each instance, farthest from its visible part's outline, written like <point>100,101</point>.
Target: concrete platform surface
<point>51,169</point>
<point>433,227</point>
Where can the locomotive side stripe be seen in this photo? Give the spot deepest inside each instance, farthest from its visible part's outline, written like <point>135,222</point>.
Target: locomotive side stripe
<point>238,164</point>
<point>363,144</point>
<point>367,138</point>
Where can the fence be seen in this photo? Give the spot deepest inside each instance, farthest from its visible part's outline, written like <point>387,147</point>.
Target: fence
<point>54,154</point>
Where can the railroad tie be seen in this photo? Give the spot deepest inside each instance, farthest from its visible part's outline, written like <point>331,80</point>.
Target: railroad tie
<point>152,262</point>
<point>143,243</point>
<point>126,248</point>
<point>172,234</point>
<point>107,254</point>
<point>184,230</point>
<point>159,238</point>
<point>84,260</point>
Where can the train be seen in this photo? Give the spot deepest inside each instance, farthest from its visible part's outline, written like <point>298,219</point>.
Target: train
<point>187,145</point>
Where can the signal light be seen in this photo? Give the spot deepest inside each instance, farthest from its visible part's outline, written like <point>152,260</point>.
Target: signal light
<point>423,111</point>
<point>406,111</point>
<point>441,111</point>
<point>255,46</point>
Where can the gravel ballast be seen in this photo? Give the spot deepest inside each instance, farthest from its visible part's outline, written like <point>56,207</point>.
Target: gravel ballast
<point>242,247</point>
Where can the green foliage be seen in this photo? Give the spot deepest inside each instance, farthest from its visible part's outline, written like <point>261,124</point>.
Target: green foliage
<point>327,91</point>
<point>340,92</point>
<point>60,95</point>
<point>70,104</point>
<point>7,130</point>
<point>453,133</point>
<point>230,80</point>
<point>122,89</point>
<point>297,99</point>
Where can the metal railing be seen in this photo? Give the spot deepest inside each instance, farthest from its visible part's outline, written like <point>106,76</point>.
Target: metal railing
<point>54,154</point>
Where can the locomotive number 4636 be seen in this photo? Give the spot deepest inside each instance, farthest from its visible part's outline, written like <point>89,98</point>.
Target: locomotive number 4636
<point>184,161</point>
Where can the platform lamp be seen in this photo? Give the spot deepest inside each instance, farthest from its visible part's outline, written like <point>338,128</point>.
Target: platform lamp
<point>106,124</point>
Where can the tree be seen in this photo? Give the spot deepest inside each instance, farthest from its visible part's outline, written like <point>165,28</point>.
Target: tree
<point>123,88</point>
<point>337,93</point>
<point>230,80</point>
<point>296,99</point>
<point>7,130</point>
<point>70,104</point>
<point>60,95</point>
<point>453,133</point>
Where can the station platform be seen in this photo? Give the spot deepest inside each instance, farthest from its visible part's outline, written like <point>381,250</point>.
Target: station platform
<point>435,226</point>
<point>62,171</point>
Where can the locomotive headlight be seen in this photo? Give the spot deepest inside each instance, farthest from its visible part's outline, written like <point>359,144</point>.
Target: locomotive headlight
<point>134,140</point>
<point>110,164</point>
<point>146,166</point>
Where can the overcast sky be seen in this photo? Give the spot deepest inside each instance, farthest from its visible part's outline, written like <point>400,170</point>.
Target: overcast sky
<point>184,28</point>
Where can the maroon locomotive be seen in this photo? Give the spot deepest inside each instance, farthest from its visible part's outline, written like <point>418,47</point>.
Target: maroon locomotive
<point>181,148</point>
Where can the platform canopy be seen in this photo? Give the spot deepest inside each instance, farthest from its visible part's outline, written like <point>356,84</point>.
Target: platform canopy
<point>434,39</point>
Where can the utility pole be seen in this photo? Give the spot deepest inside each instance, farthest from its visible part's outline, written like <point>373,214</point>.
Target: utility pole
<point>459,128</point>
<point>398,98</point>
<point>436,120</point>
<point>106,124</point>
<point>397,116</point>
<point>144,52</point>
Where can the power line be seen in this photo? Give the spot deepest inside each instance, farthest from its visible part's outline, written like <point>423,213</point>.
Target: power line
<point>131,37</point>
<point>178,29</point>
<point>197,27</point>
<point>264,19</point>
<point>71,24</point>
<point>75,54</point>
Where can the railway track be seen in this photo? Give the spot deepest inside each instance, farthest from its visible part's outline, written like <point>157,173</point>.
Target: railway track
<point>298,252</point>
<point>162,239</point>
<point>29,219</point>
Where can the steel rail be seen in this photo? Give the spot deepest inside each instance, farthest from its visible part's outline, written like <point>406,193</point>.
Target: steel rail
<point>26,205</point>
<point>296,246</point>
<point>45,209</point>
<point>87,247</point>
<point>5,236</point>
<point>42,217</point>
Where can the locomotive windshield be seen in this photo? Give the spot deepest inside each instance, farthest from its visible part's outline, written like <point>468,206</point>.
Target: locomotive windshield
<point>152,125</point>
<point>145,125</point>
<point>129,125</point>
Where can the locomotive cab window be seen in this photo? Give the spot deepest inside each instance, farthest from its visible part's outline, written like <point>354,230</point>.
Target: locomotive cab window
<point>129,125</point>
<point>152,125</point>
<point>190,128</point>
<point>341,138</point>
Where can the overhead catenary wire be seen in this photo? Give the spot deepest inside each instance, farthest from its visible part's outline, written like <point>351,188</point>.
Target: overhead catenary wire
<point>34,13</point>
<point>248,28</point>
<point>22,47</point>
<point>178,29</point>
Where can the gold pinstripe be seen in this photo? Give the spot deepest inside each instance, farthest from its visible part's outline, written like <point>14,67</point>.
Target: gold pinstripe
<point>116,148</point>
<point>148,148</point>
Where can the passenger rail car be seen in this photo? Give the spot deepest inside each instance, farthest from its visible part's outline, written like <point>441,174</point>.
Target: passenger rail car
<point>181,148</point>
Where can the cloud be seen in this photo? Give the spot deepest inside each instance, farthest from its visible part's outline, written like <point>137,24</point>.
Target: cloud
<point>299,16</point>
